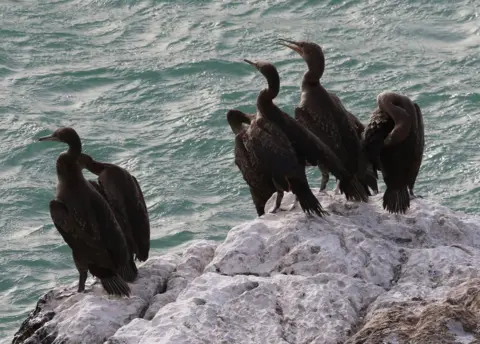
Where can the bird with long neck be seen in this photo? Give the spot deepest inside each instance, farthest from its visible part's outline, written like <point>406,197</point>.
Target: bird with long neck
<point>395,137</point>
<point>85,220</point>
<point>324,114</point>
<point>309,150</point>
<point>268,162</point>
<point>67,162</point>
<point>125,196</point>
<point>267,95</point>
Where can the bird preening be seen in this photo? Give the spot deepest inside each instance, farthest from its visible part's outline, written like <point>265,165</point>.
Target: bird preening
<point>105,222</point>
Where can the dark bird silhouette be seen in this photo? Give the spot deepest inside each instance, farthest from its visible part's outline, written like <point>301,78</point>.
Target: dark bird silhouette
<point>324,115</point>
<point>310,150</point>
<point>86,222</point>
<point>260,182</point>
<point>395,138</point>
<point>268,163</point>
<point>123,193</point>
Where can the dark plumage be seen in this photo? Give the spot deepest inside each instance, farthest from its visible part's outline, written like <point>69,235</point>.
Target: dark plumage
<point>85,220</point>
<point>324,114</point>
<point>259,181</point>
<point>125,197</point>
<point>419,147</point>
<point>395,138</point>
<point>130,271</point>
<point>267,160</point>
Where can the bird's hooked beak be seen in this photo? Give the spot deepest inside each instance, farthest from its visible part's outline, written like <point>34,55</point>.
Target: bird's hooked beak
<point>49,138</point>
<point>292,45</point>
<point>251,63</point>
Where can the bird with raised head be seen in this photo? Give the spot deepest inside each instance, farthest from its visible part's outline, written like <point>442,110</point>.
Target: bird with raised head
<point>323,113</point>
<point>268,161</point>
<point>309,149</point>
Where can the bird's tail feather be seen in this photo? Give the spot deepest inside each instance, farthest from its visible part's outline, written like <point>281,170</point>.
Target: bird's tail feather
<point>115,285</point>
<point>396,200</point>
<point>128,271</point>
<point>354,189</point>
<point>308,202</point>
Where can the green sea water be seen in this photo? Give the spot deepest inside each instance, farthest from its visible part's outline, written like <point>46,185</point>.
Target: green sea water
<point>147,83</point>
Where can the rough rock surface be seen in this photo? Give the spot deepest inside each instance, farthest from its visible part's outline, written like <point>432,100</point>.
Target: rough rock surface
<point>360,275</point>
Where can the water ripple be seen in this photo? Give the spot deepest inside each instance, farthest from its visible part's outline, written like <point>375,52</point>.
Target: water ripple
<point>147,84</point>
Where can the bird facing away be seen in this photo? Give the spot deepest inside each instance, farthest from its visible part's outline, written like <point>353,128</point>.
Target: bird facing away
<point>268,163</point>
<point>260,183</point>
<point>395,138</point>
<point>324,115</point>
<point>125,197</point>
<point>86,222</point>
<point>310,150</point>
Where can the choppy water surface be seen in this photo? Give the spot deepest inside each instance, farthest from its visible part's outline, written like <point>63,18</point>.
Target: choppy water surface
<point>147,85</point>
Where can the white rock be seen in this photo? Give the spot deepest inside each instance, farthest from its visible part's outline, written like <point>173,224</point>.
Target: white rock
<point>360,275</point>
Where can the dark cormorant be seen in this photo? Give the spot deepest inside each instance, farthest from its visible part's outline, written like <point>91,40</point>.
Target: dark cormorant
<point>269,163</point>
<point>395,138</point>
<point>86,222</point>
<point>260,182</point>
<point>310,150</point>
<point>125,197</point>
<point>323,113</point>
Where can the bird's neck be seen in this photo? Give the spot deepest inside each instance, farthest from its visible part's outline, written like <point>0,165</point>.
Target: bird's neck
<point>75,149</point>
<point>311,78</point>
<point>68,170</point>
<point>264,101</point>
<point>267,95</point>
<point>95,167</point>
<point>316,67</point>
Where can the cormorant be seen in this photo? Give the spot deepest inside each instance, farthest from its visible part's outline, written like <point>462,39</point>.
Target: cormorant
<point>269,163</point>
<point>310,150</point>
<point>123,193</point>
<point>323,113</point>
<point>86,222</point>
<point>395,138</point>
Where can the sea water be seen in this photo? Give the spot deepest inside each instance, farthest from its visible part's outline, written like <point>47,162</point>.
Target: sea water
<point>147,84</point>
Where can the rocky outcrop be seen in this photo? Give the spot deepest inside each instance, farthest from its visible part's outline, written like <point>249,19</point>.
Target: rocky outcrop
<point>65,316</point>
<point>359,275</point>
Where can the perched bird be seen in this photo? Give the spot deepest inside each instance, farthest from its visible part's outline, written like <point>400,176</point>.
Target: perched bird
<point>269,163</point>
<point>324,115</point>
<point>310,150</point>
<point>125,197</point>
<point>260,183</point>
<point>395,138</point>
<point>86,222</point>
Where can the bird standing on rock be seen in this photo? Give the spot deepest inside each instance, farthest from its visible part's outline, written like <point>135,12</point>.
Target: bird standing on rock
<point>86,222</point>
<point>325,116</point>
<point>259,180</point>
<point>265,155</point>
<point>394,139</point>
